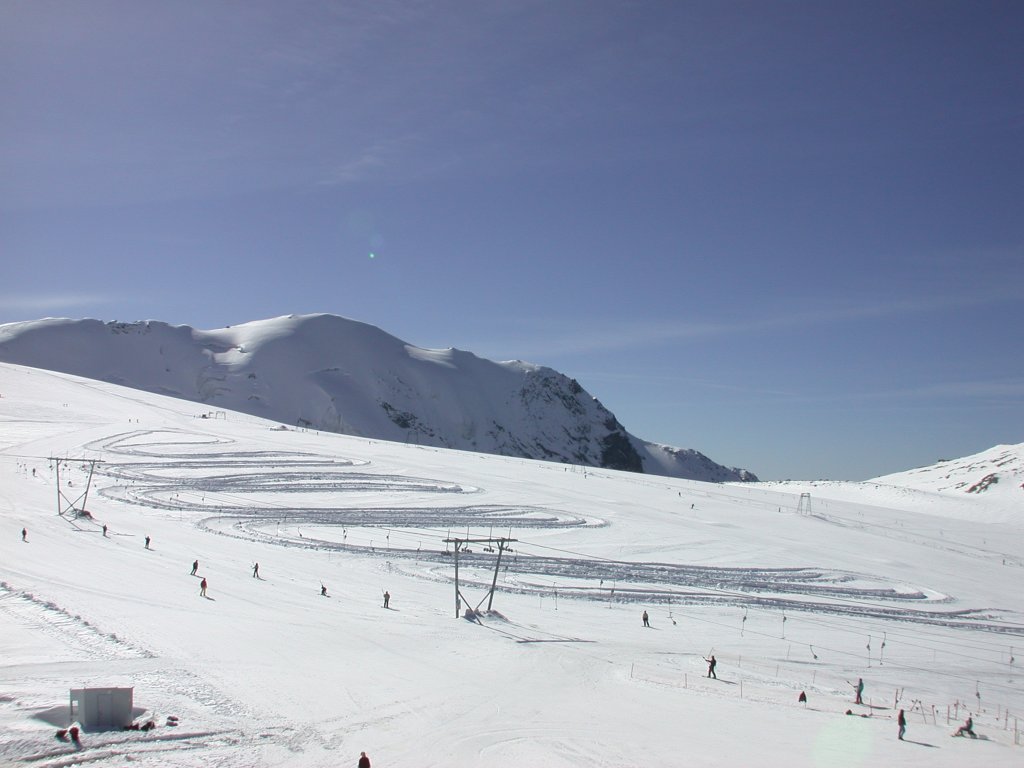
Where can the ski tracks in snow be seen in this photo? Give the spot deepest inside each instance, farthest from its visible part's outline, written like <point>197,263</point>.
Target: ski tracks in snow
<point>264,496</point>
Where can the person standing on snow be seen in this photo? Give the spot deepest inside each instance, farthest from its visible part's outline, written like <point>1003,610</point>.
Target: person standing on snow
<point>24,534</point>
<point>104,529</point>
<point>647,622</point>
<point>364,761</point>
<point>147,542</point>
<point>195,567</point>
<point>901,721</point>
<point>202,587</point>
<point>256,571</point>
<point>859,688</point>
<point>387,598</point>
<point>712,663</point>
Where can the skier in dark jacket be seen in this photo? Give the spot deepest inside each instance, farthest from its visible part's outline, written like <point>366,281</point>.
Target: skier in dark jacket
<point>646,619</point>
<point>901,721</point>
<point>712,663</point>
<point>859,690</point>
<point>202,588</point>
<point>364,761</point>
<point>195,567</point>
<point>24,534</point>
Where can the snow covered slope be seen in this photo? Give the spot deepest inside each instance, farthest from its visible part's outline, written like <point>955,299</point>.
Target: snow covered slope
<point>330,373</point>
<point>985,487</point>
<point>267,672</point>
<point>997,472</point>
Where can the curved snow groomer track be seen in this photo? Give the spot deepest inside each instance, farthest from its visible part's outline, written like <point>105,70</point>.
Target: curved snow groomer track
<point>271,497</point>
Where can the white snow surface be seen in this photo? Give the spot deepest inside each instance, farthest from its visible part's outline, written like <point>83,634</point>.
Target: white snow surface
<point>789,597</point>
<point>986,486</point>
<point>331,373</point>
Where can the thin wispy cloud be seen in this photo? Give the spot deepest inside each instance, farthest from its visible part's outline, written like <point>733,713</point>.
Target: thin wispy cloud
<point>623,335</point>
<point>372,162</point>
<point>982,389</point>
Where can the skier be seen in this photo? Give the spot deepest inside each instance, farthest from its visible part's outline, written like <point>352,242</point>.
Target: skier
<point>387,598</point>
<point>712,663</point>
<point>647,623</point>
<point>24,534</point>
<point>859,689</point>
<point>323,591</point>
<point>104,529</point>
<point>802,698</point>
<point>147,542</point>
<point>967,729</point>
<point>364,761</point>
<point>195,567</point>
<point>256,571</point>
<point>901,721</point>
<point>202,587</point>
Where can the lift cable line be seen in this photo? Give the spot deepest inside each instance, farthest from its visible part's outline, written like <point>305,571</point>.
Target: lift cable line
<point>460,545</point>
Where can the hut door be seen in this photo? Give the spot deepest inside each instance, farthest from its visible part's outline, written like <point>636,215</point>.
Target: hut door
<point>104,709</point>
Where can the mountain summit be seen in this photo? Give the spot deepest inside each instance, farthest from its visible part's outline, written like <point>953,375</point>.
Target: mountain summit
<point>330,373</point>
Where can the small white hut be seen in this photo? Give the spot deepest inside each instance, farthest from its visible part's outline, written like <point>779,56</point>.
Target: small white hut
<point>102,709</point>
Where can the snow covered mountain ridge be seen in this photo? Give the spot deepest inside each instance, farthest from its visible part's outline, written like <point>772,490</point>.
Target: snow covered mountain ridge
<point>996,472</point>
<point>330,373</point>
<point>986,486</point>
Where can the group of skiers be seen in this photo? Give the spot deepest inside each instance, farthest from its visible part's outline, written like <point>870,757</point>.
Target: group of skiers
<point>104,529</point>
<point>203,585</point>
<point>967,729</point>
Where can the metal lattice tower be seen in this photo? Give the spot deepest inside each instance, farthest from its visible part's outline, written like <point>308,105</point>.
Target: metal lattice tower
<point>803,507</point>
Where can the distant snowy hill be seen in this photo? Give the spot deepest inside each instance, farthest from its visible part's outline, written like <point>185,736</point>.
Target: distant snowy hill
<point>329,373</point>
<point>997,472</point>
<point>986,487</point>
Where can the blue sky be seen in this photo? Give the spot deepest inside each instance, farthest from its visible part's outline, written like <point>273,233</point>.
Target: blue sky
<point>787,234</point>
